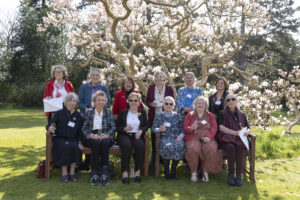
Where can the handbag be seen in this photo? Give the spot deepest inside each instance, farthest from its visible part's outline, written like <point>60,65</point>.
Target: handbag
<point>41,169</point>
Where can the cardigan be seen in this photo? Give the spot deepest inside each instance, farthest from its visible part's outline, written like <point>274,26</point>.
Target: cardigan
<point>182,96</point>
<point>108,123</point>
<point>120,102</point>
<point>85,96</point>
<point>122,121</point>
<point>49,89</point>
<point>151,97</point>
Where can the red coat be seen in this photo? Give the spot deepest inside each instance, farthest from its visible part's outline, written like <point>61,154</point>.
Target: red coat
<point>190,119</point>
<point>49,89</point>
<point>120,102</point>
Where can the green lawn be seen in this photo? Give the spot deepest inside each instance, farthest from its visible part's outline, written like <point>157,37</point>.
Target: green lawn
<point>22,145</point>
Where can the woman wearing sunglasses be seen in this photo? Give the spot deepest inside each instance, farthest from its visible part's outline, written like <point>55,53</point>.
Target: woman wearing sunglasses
<point>171,147</point>
<point>200,127</point>
<point>230,121</point>
<point>154,100</point>
<point>131,125</point>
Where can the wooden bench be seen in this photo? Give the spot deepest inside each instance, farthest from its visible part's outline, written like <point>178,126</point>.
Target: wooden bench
<point>115,150</point>
<point>250,172</point>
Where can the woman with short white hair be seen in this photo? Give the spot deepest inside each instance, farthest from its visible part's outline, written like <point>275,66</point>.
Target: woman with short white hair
<point>67,139</point>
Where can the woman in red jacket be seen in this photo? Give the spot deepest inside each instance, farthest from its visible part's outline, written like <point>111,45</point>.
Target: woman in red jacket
<point>120,101</point>
<point>58,86</point>
<point>200,127</point>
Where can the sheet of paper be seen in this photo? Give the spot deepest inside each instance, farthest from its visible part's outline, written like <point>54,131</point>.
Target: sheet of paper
<point>158,103</point>
<point>244,138</point>
<point>52,105</point>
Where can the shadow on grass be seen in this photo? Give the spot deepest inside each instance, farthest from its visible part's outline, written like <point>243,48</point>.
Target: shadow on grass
<point>22,120</point>
<point>20,183</point>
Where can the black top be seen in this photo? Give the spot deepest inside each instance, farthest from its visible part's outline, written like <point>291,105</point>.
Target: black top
<point>213,107</point>
<point>122,121</point>
<point>64,121</point>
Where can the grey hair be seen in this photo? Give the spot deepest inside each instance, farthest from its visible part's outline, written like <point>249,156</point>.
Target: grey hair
<point>169,98</point>
<point>160,73</point>
<point>62,68</point>
<point>138,95</point>
<point>93,69</point>
<point>200,98</point>
<point>227,97</point>
<point>69,97</point>
<point>97,94</point>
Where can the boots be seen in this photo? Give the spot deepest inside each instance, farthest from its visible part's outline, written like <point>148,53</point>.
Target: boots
<point>173,169</point>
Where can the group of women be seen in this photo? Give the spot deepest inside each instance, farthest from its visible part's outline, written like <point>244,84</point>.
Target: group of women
<point>195,133</point>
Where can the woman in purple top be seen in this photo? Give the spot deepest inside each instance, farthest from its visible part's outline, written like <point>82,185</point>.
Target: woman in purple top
<point>154,100</point>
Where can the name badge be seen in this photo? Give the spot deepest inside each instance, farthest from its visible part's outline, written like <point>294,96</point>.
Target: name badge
<point>203,122</point>
<point>218,102</point>
<point>167,124</point>
<point>71,124</point>
<point>189,96</point>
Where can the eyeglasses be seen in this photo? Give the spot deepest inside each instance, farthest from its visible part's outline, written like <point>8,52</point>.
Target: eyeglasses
<point>171,104</point>
<point>232,99</point>
<point>135,100</point>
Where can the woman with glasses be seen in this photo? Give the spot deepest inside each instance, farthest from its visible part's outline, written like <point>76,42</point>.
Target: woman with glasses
<point>154,100</point>
<point>171,147</point>
<point>200,127</point>
<point>131,125</point>
<point>230,121</point>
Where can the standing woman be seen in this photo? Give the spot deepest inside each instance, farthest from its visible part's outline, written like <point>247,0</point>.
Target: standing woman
<point>200,127</point>
<point>131,125</point>
<point>121,97</point>
<point>171,146</point>
<point>66,125</point>
<point>99,130</point>
<point>230,121</point>
<point>154,100</point>
<point>87,90</point>
<point>216,101</point>
<point>187,94</point>
<point>58,86</point>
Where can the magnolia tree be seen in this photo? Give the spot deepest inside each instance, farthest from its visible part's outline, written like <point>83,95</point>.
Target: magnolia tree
<point>289,87</point>
<point>138,37</point>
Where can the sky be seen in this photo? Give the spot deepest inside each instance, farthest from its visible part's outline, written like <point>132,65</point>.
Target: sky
<point>9,8</point>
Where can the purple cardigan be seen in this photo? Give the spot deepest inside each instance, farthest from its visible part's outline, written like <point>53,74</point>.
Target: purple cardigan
<point>150,98</point>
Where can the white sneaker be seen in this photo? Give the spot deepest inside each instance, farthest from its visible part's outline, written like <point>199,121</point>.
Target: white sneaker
<point>194,177</point>
<point>205,178</point>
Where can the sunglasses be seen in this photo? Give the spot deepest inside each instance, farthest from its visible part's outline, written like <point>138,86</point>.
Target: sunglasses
<point>232,99</point>
<point>171,104</point>
<point>135,100</point>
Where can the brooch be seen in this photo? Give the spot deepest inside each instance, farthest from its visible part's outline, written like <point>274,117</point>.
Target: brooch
<point>139,114</point>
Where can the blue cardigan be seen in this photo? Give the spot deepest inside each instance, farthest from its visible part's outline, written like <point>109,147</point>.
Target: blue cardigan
<point>85,96</point>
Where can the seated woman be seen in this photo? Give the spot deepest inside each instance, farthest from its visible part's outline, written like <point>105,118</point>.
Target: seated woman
<point>131,125</point>
<point>171,146</point>
<point>200,127</point>
<point>99,129</point>
<point>230,121</point>
<point>121,96</point>
<point>66,125</point>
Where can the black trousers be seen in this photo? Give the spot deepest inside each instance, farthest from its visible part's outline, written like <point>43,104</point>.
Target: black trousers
<point>99,148</point>
<point>234,155</point>
<point>126,143</point>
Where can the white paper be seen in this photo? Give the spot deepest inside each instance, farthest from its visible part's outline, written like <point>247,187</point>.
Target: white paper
<point>244,138</point>
<point>52,105</point>
<point>158,103</point>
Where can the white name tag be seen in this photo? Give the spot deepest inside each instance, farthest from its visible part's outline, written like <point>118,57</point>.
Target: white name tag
<point>203,122</point>
<point>71,124</point>
<point>189,96</point>
<point>167,124</point>
<point>218,102</point>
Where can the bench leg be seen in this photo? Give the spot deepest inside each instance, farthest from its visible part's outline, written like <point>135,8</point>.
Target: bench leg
<point>146,162</point>
<point>48,155</point>
<point>252,160</point>
<point>157,138</point>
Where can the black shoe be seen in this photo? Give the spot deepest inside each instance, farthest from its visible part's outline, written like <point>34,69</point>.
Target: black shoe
<point>224,166</point>
<point>238,181</point>
<point>137,179</point>
<point>125,180</point>
<point>95,180</point>
<point>104,177</point>
<point>84,166</point>
<point>173,176</point>
<point>231,180</point>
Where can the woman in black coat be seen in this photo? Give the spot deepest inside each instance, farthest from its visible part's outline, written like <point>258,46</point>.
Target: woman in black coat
<point>66,127</point>
<point>131,125</point>
<point>216,101</point>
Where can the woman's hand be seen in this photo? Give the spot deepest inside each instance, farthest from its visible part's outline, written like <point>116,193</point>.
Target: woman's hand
<point>138,134</point>
<point>128,128</point>
<point>194,126</point>
<point>49,97</point>
<point>162,128</point>
<point>93,136</point>
<point>52,129</point>
<point>80,146</point>
<point>206,139</point>
<point>179,138</point>
<point>153,105</point>
<point>102,136</point>
<point>247,132</point>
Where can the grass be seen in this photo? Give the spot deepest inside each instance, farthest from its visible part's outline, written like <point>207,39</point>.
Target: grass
<point>22,145</point>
